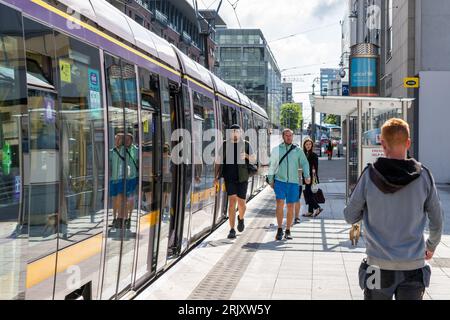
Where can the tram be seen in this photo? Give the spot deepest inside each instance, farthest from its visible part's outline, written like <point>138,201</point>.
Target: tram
<point>91,205</point>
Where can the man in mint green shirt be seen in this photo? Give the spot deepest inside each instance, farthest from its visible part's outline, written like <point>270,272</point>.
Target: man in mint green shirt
<point>284,179</point>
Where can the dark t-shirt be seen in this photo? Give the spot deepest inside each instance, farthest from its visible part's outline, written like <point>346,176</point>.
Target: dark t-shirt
<point>231,169</point>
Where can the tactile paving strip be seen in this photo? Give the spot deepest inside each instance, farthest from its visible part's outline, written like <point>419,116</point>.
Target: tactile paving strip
<point>220,282</point>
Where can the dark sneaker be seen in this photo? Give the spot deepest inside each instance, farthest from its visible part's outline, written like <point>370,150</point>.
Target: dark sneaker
<point>279,236</point>
<point>113,224</point>
<point>241,225</point>
<point>232,234</point>
<point>297,221</point>
<point>287,235</point>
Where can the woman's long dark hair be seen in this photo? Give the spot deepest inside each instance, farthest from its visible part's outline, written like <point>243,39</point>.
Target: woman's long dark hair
<point>307,153</point>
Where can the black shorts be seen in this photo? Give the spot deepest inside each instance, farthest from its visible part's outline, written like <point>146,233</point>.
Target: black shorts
<point>239,189</point>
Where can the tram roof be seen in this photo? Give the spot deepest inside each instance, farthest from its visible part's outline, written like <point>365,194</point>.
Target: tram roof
<point>245,101</point>
<point>343,106</point>
<point>256,108</point>
<point>193,69</point>
<point>232,92</point>
<point>111,19</point>
<point>220,85</point>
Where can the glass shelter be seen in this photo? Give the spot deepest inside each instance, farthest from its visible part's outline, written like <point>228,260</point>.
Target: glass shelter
<point>362,121</point>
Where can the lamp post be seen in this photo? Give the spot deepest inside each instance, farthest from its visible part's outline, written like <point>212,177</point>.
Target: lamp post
<point>313,111</point>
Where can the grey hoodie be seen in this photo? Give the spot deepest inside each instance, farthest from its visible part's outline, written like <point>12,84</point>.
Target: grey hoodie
<point>395,198</point>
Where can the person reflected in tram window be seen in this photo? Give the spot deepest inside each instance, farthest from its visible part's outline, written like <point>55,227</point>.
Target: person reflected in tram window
<point>117,156</point>
<point>166,181</point>
<point>132,176</point>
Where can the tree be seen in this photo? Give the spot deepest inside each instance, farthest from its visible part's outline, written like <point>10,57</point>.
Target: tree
<point>291,115</point>
<point>331,119</point>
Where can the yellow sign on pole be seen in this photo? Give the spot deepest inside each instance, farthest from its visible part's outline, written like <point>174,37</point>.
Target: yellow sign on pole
<point>65,71</point>
<point>411,82</point>
<point>146,128</point>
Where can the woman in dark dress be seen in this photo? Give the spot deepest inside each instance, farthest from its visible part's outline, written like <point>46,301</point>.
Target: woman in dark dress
<point>313,207</point>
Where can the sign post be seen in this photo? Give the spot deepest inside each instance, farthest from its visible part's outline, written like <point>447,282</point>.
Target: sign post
<point>411,83</point>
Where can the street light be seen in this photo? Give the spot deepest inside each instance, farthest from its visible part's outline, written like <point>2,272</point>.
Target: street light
<point>313,110</point>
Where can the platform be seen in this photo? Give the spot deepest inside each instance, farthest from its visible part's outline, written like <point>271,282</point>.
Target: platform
<point>318,264</point>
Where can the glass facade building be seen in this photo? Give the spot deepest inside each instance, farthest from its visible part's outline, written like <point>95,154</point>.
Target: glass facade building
<point>287,93</point>
<point>246,62</point>
<point>326,75</point>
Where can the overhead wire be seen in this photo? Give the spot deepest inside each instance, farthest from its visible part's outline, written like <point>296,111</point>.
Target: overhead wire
<point>234,6</point>
<point>303,32</point>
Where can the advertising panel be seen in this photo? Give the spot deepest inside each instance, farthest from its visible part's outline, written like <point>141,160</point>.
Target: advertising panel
<point>363,72</point>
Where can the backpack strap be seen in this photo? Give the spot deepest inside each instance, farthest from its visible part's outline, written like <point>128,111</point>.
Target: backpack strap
<point>118,153</point>
<point>134,161</point>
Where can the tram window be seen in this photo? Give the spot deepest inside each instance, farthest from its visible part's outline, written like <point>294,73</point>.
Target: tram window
<point>44,153</point>
<point>149,88</point>
<point>246,120</point>
<point>225,119</point>
<point>209,123</point>
<point>197,141</point>
<point>234,116</point>
<point>13,146</point>
<point>82,138</point>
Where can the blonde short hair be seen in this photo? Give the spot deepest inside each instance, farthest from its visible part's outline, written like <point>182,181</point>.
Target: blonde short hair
<point>286,131</point>
<point>395,132</point>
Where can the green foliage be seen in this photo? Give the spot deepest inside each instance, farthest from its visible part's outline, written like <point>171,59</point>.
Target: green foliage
<point>331,119</point>
<point>291,115</point>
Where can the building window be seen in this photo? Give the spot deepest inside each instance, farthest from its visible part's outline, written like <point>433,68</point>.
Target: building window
<point>138,19</point>
<point>389,34</point>
<point>230,54</point>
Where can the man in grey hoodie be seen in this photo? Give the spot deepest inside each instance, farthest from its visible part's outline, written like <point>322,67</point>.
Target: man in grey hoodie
<point>394,198</point>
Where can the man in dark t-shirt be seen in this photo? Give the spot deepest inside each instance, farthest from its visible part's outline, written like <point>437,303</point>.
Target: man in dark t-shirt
<point>235,155</point>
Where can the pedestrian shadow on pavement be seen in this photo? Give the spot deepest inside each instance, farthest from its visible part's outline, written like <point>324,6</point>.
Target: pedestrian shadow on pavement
<point>216,243</point>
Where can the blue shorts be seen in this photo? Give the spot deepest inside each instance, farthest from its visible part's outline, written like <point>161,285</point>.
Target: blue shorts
<point>116,187</point>
<point>131,186</point>
<point>288,192</point>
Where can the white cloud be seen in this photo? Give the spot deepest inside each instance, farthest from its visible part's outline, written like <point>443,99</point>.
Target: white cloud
<point>281,18</point>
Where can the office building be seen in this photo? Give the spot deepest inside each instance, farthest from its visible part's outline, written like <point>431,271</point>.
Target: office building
<point>326,75</point>
<point>287,93</point>
<point>246,62</point>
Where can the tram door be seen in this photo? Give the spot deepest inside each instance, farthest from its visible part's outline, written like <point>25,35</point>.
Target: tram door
<point>221,196</point>
<point>172,189</point>
<point>122,218</point>
<point>151,176</point>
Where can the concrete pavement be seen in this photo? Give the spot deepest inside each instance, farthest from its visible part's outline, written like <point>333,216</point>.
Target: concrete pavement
<point>319,263</point>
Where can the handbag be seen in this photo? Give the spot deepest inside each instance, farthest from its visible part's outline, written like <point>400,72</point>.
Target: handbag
<point>320,198</point>
<point>252,170</point>
<point>282,159</point>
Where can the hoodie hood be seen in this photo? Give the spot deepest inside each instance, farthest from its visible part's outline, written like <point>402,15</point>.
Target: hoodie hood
<point>390,175</point>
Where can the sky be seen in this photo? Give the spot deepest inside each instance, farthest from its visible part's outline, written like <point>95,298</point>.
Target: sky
<point>318,45</point>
